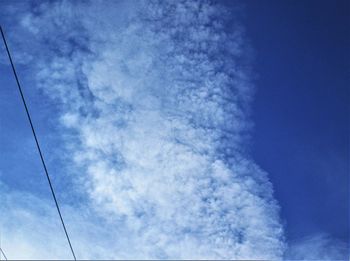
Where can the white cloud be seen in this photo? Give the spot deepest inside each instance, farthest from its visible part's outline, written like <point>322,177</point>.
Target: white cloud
<point>318,247</point>
<point>157,98</point>
<point>31,229</point>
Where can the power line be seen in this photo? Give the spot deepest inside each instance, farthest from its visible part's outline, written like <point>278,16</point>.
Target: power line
<point>0,244</point>
<point>2,252</point>
<point>36,141</point>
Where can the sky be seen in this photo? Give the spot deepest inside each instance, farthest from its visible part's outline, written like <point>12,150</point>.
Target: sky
<point>307,132</point>
<point>301,110</point>
<point>176,129</point>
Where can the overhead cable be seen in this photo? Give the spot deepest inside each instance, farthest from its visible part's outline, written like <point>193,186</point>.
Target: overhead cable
<point>37,142</point>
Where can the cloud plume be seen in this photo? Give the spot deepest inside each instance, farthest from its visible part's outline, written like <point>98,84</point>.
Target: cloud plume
<point>155,96</point>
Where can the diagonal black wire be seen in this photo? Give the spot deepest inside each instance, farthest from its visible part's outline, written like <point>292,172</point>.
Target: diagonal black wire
<point>36,141</point>
<point>2,252</point>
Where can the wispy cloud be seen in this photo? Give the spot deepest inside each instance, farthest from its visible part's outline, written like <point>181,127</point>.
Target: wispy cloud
<point>156,95</point>
<point>30,229</point>
<point>318,247</point>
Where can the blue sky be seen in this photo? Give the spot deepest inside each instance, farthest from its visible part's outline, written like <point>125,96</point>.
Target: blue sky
<point>177,130</point>
<point>301,109</point>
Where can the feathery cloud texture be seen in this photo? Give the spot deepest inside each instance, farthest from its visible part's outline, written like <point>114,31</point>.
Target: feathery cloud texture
<point>155,97</point>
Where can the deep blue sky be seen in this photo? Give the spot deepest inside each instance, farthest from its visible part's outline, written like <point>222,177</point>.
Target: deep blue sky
<point>301,109</point>
<point>300,112</point>
<point>20,165</point>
